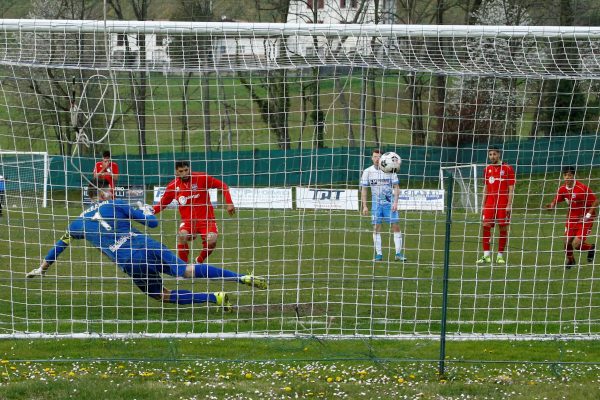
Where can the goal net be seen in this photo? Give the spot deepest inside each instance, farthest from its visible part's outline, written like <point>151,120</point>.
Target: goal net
<point>24,177</point>
<point>467,188</point>
<point>288,115</point>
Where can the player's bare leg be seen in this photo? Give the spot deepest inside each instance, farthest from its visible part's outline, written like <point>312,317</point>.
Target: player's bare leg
<point>183,247</point>
<point>208,246</point>
<point>581,244</point>
<point>570,262</point>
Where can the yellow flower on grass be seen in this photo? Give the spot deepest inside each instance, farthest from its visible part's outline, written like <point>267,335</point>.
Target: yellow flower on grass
<point>248,375</point>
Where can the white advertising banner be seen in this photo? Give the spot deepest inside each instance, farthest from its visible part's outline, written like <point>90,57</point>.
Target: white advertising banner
<point>421,199</point>
<point>244,197</point>
<point>331,199</point>
<point>280,198</point>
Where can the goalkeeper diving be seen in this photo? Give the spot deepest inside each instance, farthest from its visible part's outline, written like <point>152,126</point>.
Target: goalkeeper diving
<point>107,226</point>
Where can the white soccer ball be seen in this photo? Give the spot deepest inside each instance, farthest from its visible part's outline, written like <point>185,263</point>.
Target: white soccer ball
<point>390,162</point>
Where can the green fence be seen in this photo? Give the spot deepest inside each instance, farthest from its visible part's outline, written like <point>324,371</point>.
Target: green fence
<point>340,165</point>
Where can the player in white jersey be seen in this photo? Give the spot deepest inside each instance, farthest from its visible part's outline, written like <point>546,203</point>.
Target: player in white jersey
<point>384,204</point>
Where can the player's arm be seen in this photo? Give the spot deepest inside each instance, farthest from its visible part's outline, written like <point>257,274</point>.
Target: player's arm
<point>590,211</point>
<point>144,214</point>
<point>364,185</point>
<point>115,172</point>
<point>97,171</point>
<point>396,191</point>
<point>557,199</point>
<point>511,189</point>
<point>511,196</point>
<point>363,200</point>
<point>55,252</point>
<point>166,198</point>
<point>215,183</point>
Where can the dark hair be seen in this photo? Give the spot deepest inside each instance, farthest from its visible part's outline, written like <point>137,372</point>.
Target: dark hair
<point>495,148</point>
<point>96,184</point>
<point>568,168</point>
<point>106,154</point>
<point>376,151</point>
<point>181,164</point>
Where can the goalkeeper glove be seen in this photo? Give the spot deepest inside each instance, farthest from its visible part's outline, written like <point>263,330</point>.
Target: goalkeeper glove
<point>145,208</point>
<point>39,271</point>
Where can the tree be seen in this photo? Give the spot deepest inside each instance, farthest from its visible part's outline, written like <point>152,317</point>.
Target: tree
<point>482,109</point>
<point>189,51</point>
<point>563,105</point>
<point>48,90</point>
<point>270,92</point>
<point>138,81</point>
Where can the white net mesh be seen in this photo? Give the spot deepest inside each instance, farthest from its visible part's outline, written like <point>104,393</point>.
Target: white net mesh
<point>287,116</point>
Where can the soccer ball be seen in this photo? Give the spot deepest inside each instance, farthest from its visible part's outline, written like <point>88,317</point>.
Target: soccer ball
<point>390,162</point>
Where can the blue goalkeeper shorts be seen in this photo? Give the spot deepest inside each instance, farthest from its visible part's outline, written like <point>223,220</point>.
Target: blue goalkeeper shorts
<point>383,213</point>
<point>147,264</point>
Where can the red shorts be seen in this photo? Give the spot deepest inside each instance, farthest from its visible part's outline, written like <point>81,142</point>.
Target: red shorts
<point>495,214</point>
<point>199,227</point>
<point>579,229</point>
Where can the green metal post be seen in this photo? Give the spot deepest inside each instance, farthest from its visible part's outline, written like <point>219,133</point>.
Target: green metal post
<point>449,190</point>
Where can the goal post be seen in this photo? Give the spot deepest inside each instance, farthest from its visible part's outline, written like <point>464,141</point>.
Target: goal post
<point>469,188</point>
<point>25,176</point>
<point>288,116</point>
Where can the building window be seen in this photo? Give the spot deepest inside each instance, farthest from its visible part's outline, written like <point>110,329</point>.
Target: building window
<point>320,4</point>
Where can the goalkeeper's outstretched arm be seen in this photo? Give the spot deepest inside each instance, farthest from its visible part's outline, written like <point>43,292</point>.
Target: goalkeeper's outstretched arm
<point>52,256</point>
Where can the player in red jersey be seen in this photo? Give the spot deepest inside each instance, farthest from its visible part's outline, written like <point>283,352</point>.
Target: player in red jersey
<point>498,196</point>
<point>580,217</point>
<point>107,170</point>
<point>190,190</point>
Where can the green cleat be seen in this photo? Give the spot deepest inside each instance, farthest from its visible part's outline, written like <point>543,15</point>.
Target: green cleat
<point>254,281</point>
<point>484,260</point>
<point>223,301</point>
<point>500,260</point>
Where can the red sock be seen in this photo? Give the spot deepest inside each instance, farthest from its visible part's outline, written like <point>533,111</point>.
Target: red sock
<point>502,240</point>
<point>585,247</point>
<point>487,234</point>
<point>183,251</point>
<point>203,255</point>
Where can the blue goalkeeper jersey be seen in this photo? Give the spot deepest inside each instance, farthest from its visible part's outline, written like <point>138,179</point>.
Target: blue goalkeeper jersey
<point>107,225</point>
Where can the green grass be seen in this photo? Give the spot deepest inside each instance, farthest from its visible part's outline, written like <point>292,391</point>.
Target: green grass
<point>323,284</point>
<point>322,280</point>
<point>305,368</point>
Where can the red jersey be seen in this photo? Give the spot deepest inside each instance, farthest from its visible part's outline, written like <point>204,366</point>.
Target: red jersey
<point>192,196</point>
<point>579,198</point>
<point>113,168</point>
<point>498,178</point>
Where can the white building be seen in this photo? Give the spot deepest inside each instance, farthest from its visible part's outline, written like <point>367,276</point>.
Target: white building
<point>334,12</point>
<point>125,50</point>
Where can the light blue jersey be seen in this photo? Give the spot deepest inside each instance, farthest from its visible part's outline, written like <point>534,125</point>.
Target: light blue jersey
<point>382,194</point>
<point>381,184</point>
